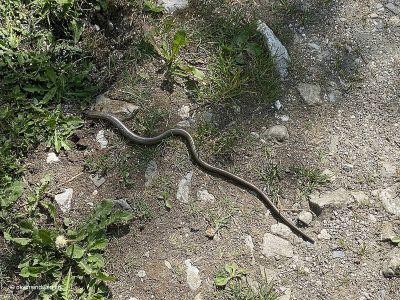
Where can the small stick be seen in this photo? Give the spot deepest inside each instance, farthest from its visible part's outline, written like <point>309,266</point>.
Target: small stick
<point>65,182</point>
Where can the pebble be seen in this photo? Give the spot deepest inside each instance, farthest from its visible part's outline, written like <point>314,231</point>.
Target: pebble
<point>183,192</point>
<point>170,6</point>
<point>105,104</point>
<point>338,254</point>
<point>184,111</point>
<point>97,180</point>
<point>387,232</point>
<point>151,172</point>
<point>141,274</point>
<point>276,246</point>
<point>393,265</point>
<point>168,264</point>
<point>324,235</point>
<point>64,200</point>
<point>51,158</point>
<point>310,93</point>
<point>305,217</point>
<point>192,275</point>
<point>123,204</point>
<point>277,132</point>
<point>337,198</point>
<point>205,196</point>
<point>101,139</point>
<point>390,199</point>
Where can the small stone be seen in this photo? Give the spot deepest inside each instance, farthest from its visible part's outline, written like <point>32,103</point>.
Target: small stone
<point>146,254</point>
<point>372,218</point>
<point>282,231</point>
<point>97,180</point>
<point>393,8</point>
<point>210,232</point>
<point>118,107</point>
<point>170,6</point>
<point>101,139</point>
<point>280,55</point>
<point>333,145</point>
<point>324,235</point>
<point>185,123</point>
<point>96,27</point>
<point>52,157</point>
<point>255,135</point>
<point>330,176</point>
<point>64,200</point>
<point>248,241</point>
<point>192,276</point>
<point>278,105</point>
<point>151,172</point>
<point>184,111</point>
<point>141,274</point>
<point>205,196</point>
<point>393,265</point>
<point>305,217</point>
<point>337,198</point>
<point>275,246</point>
<point>360,197</point>
<point>168,264</point>
<point>184,188</point>
<point>311,93</point>
<point>387,232</point>
<point>391,199</point>
<point>338,254</point>
<point>348,167</point>
<point>123,204</point>
<point>388,170</point>
<point>277,132</point>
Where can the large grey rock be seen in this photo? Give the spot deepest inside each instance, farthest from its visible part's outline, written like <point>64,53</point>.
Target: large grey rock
<point>277,132</point>
<point>64,200</point>
<point>275,246</point>
<point>192,275</point>
<point>310,93</point>
<point>184,188</point>
<point>151,172</point>
<point>278,51</point>
<point>170,6</point>
<point>97,180</point>
<point>391,199</point>
<point>117,107</point>
<point>282,231</point>
<point>330,199</point>
<point>393,265</point>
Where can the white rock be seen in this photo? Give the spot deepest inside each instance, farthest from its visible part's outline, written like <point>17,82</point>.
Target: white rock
<point>278,105</point>
<point>287,295</point>
<point>192,276</point>
<point>278,51</point>
<point>391,199</point>
<point>205,196</point>
<point>387,232</point>
<point>52,157</point>
<point>97,180</point>
<point>248,241</point>
<point>277,132</point>
<point>393,265</point>
<point>171,6</point>
<point>141,274</point>
<point>168,264</point>
<point>199,296</point>
<point>388,169</point>
<point>133,298</point>
<point>184,188</point>
<point>337,198</point>
<point>151,172</point>
<point>275,246</point>
<point>311,93</point>
<point>324,235</point>
<point>305,217</point>
<point>101,139</point>
<point>64,200</point>
<point>282,230</point>
<point>184,111</point>
<point>360,197</point>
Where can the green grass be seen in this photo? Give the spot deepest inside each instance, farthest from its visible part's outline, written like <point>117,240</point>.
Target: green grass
<point>310,178</point>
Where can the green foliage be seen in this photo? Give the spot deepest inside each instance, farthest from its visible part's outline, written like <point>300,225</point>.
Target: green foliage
<point>242,66</point>
<point>152,6</point>
<point>231,271</point>
<point>69,259</point>
<point>396,240</point>
<point>169,46</point>
<point>310,178</point>
<point>220,143</point>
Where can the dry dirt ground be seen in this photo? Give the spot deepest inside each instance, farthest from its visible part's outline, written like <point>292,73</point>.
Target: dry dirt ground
<point>351,50</point>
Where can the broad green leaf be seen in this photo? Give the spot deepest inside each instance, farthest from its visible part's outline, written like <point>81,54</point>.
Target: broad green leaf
<point>192,70</point>
<point>77,29</point>
<point>96,261</point>
<point>396,240</point>
<point>151,6</point>
<point>178,41</point>
<point>104,276</point>
<point>22,241</point>
<point>231,268</point>
<point>44,237</point>
<point>75,251</point>
<point>85,267</point>
<point>221,280</point>
<point>11,194</point>
<point>34,272</point>
<point>168,204</point>
<point>98,244</point>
